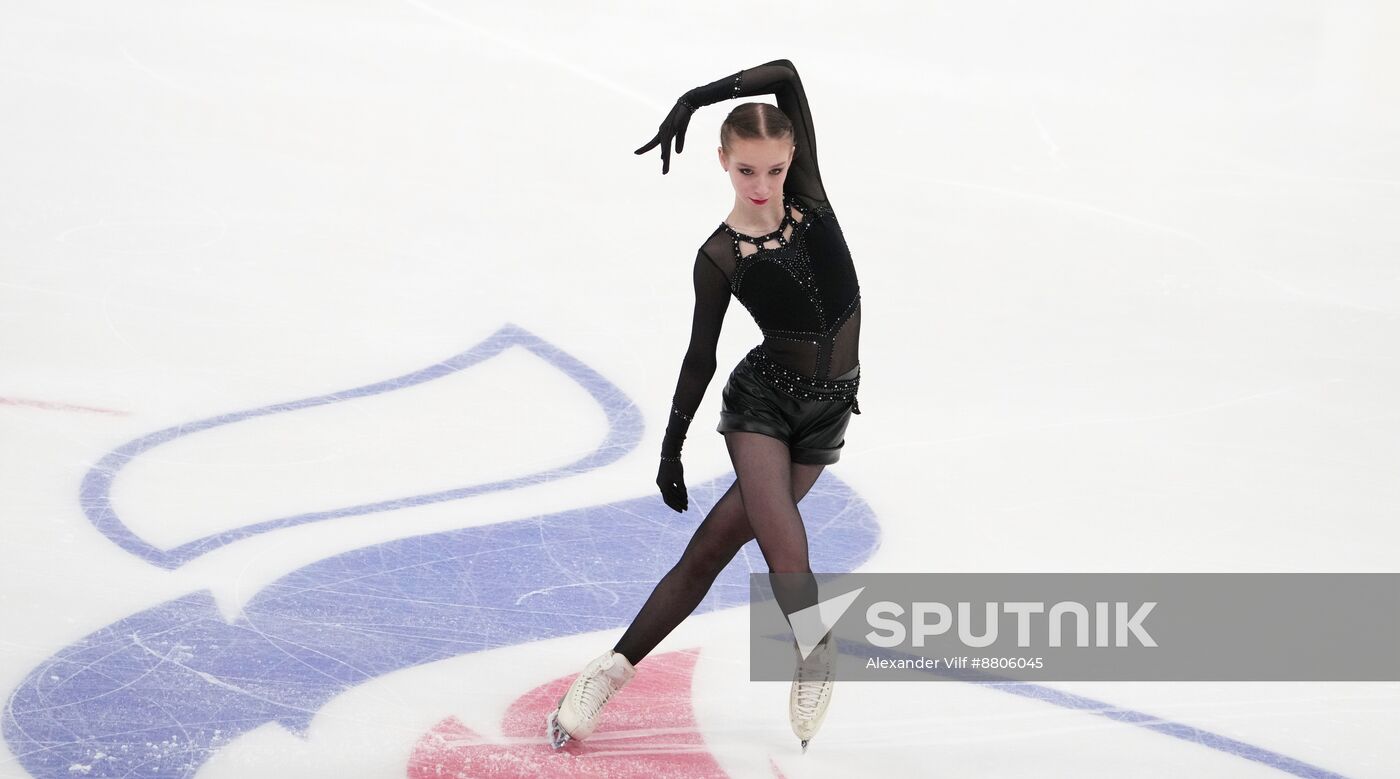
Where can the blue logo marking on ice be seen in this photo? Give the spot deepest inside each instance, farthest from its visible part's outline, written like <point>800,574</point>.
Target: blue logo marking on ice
<point>624,421</point>
<point>810,625</point>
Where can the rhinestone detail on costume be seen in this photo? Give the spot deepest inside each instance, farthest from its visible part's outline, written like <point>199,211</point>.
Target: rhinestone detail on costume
<point>802,387</point>
<point>798,263</point>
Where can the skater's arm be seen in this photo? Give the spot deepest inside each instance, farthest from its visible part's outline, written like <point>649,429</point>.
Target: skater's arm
<point>778,78</point>
<point>698,367</point>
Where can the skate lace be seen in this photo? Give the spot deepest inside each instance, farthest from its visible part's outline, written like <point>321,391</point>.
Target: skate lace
<point>808,696</point>
<point>810,690</point>
<point>597,689</point>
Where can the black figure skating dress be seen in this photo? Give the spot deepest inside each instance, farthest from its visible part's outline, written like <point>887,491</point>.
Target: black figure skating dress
<point>799,284</point>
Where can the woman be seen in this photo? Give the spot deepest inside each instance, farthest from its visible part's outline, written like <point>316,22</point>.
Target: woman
<point>786,405</point>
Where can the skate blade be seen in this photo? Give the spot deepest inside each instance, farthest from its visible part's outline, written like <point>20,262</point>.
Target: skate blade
<point>557,736</point>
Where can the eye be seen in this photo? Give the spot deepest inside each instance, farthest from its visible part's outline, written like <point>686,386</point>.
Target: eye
<point>745,171</point>
<point>776,171</point>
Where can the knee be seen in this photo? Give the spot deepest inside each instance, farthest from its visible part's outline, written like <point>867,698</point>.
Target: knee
<point>790,566</point>
<point>704,564</point>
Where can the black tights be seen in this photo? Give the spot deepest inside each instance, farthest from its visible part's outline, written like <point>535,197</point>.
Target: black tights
<point>762,503</point>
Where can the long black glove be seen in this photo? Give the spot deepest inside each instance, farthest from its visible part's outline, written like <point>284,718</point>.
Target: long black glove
<point>676,122</point>
<point>670,477</point>
<point>673,126</point>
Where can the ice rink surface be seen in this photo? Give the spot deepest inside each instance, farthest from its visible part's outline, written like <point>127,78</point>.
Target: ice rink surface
<point>337,341</point>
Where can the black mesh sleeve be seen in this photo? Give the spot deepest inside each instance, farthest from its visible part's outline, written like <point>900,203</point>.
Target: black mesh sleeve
<point>698,367</point>
<point>778,78</point>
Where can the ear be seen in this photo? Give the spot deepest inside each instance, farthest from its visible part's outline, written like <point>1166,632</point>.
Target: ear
<point>723,163</point>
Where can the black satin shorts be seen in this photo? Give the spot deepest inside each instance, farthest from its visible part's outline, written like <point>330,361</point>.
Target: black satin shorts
<point>814,430</point>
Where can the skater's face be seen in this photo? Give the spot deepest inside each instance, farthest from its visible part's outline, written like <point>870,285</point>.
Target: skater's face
<point>758,168</point>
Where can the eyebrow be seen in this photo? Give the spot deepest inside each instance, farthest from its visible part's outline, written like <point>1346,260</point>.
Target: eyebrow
<point>774,165</point>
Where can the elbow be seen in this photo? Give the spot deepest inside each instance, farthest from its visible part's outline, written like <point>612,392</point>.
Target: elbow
<point>786,63</point>
<point>700,365</point>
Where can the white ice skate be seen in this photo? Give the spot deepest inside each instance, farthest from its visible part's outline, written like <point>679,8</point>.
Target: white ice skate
<point>812,683</point>
<point>579,709</point>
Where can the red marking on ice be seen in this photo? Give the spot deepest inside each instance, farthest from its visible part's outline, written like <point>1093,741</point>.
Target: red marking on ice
<point>51,406</point>
<point>648,730</point>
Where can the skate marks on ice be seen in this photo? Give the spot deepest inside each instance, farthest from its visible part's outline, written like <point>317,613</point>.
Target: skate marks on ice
<point>648,731</point>
<point>1068,700</point>
<point>624,425</point>
<point>157,693</point>
<point>1180,730</point>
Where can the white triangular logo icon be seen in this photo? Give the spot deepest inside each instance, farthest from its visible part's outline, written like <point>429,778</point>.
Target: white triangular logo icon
<point>810,625</point>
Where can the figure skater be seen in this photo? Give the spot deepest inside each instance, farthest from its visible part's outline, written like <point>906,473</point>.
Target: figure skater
<point>786,405</point>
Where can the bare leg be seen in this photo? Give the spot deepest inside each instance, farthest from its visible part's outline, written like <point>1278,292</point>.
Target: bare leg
<point>720,536</point>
